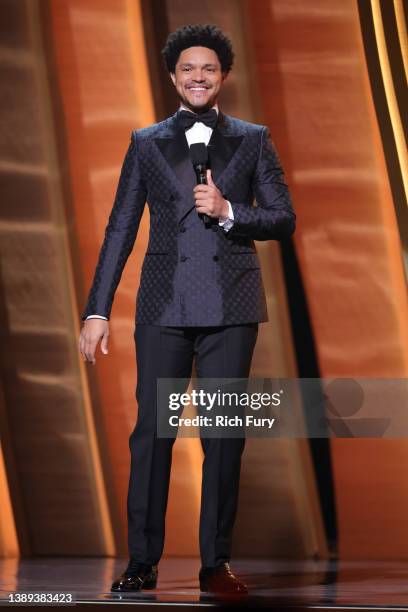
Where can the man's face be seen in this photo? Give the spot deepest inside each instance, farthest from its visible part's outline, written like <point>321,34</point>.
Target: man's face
<point>198,78</point>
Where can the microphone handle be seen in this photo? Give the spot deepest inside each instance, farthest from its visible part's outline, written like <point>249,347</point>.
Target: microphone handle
<point>201,173</point>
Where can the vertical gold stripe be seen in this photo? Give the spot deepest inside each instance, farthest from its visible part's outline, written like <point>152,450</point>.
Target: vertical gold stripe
<point>100,489</point>
<point>402,32</point>
<point>390,92</point>
<point>8,536</point>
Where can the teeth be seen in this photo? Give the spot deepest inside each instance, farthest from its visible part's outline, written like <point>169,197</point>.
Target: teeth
<point>198,88</point>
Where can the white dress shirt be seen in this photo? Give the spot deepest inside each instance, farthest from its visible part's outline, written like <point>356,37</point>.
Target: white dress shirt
<point>199,132</point>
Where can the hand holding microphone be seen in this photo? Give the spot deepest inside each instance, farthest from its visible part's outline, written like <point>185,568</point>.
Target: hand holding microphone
<point>209,200</point>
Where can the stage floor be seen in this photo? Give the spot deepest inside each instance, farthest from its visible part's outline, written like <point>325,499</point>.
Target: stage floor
<point>276,584</point>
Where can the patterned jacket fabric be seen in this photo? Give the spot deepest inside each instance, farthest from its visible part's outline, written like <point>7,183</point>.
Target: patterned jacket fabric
<point>193,274</point>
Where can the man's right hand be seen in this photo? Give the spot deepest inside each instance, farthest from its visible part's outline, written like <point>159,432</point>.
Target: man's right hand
<point>92,331</point>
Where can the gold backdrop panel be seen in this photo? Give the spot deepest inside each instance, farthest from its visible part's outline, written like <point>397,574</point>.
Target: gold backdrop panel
<point>50,461</point>
<point>312,71</point>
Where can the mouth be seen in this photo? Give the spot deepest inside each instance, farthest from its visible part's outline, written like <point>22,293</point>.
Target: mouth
<point>197,88</point>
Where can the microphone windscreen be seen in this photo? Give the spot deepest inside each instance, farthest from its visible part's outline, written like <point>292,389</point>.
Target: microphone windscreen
<point>198,153</point>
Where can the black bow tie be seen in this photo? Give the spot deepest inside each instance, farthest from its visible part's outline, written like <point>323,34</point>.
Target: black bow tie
<point>188,119</point>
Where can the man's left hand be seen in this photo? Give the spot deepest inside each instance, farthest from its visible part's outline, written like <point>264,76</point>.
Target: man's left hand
<point>209,199</point>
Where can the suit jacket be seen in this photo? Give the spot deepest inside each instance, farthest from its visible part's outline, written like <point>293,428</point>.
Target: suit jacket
<point>193,275</point>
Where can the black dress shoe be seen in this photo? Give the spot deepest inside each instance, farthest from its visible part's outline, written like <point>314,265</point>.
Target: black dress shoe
<point>137,576</point>
<point>220,580</point>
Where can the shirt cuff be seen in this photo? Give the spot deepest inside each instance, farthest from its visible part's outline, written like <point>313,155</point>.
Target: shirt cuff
<point>227,222</point>
<point>96,317</point>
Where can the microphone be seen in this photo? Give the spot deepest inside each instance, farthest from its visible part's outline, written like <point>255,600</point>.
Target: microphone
<point>199,157</point>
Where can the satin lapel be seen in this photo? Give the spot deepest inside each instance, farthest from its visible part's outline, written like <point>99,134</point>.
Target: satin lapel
<point>174,148</point>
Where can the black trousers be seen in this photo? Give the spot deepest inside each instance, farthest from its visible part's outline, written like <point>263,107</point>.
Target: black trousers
<point>168,352</point>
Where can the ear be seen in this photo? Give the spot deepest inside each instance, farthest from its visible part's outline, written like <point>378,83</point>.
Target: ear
<point>173,77</point>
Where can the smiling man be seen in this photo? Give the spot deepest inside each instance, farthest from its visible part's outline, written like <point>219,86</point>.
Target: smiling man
<point>201,296</point>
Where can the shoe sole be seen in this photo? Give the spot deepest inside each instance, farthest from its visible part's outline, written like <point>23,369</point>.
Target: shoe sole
<point>204,589</point>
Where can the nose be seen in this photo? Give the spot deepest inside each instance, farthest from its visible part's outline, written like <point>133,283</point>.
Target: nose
<point>198,75</point>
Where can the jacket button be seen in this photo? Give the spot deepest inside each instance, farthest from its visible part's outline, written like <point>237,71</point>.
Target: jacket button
<point>183,258</point>
<point>215,257</point>
<point>182,229</point>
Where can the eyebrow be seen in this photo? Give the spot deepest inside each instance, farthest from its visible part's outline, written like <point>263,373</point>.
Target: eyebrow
<point>192,64</point>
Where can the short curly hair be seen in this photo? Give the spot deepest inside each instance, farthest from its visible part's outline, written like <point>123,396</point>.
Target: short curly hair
<point>199,35</point>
